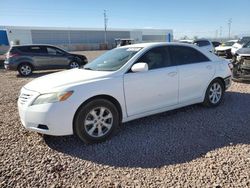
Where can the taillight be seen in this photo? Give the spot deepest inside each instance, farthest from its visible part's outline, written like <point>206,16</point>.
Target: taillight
<point>9,55</point>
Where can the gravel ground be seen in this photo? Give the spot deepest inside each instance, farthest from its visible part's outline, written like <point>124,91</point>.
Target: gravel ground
<point>189,147</point>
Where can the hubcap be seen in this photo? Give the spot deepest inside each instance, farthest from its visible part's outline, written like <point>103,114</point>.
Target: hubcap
<point>215,93</point>
<point>74,65</point>
<point>25,69</point>
<point>98,122</point>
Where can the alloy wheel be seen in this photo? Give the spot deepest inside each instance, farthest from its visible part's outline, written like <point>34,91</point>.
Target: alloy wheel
<point>98,122</point>
<point>74,65</point>
<point>25,70</point>
<point>215,93</point>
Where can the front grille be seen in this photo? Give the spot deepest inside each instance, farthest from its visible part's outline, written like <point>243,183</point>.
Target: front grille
<point>24,98</point>
<point>27,96</point>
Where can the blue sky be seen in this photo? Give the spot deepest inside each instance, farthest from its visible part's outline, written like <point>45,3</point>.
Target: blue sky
<point>186,17</point>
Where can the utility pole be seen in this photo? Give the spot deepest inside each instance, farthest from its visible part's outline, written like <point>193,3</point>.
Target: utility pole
<point>220,32</point>
<point>105,26</point>
<point>229,27</point>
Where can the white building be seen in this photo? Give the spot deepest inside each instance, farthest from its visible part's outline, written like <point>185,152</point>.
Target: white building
<point>78,38</point>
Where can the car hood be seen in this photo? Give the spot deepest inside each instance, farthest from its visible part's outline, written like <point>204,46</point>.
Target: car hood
<point>55,81</point>
<point>223,48</point>
<point>237,46</point>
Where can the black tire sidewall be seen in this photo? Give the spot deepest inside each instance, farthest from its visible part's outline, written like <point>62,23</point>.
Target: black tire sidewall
<point>81,114</point>
<point>207,101</point>
<point>19,69</point>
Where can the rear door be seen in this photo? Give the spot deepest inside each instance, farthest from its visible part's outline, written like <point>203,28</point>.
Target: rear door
<point>38,54</point>
<point>154,89</point>
<point>195,72</point>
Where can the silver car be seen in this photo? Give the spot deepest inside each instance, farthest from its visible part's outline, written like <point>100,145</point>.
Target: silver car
<point>27,58</point>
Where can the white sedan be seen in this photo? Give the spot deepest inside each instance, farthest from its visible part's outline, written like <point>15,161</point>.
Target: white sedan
<point>125,83</point>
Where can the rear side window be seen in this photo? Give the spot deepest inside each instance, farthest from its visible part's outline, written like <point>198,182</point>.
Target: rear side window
<point>201,43</point>
<point>182,55</point>
<point>32,49</point>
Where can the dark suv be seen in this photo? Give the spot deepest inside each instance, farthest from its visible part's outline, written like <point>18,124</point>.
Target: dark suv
<point>27,58</point>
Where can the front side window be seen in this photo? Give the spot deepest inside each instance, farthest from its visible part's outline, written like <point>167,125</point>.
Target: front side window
<point>156,58</point>
<point>51,51</point>
<point>113,59</point>
<point>182,55</point>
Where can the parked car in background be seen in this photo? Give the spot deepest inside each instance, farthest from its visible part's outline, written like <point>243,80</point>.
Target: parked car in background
<point>187,41</point>
<point>225,49</point>
<point>120,86</point>
<point>27,58</point>
<point>216,43</point>
<point>241,64</point>
<point>205,44</point>
<point>240,44</point>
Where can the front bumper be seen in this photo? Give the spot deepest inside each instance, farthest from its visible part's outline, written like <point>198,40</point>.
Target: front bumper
<point>55,116</point>
<point>228,82</point>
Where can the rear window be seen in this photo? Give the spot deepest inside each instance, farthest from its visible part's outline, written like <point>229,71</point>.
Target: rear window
<point>183,55</point>
<point>32,49</point>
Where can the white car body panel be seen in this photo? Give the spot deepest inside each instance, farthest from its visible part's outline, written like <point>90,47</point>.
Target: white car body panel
<point>199,74</point>
<point>139,94</point>
<point>236,47</point>
<point>142,91</point>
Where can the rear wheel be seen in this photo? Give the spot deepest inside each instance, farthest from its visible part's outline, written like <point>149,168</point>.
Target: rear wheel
<point>96,121</point>
<point>25,69</point>
<point>214,93</point>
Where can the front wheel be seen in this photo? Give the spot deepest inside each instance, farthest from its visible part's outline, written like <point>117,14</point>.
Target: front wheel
<point>214,93</point>
<point>74,64</point>
<point>96,121</point>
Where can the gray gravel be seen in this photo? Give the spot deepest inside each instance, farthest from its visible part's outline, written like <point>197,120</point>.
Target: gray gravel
<point>189,147</point>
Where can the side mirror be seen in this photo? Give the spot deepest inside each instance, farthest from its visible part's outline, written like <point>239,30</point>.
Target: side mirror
<point>140,67</point>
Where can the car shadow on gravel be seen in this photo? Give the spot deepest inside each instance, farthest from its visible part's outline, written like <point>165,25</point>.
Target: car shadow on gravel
<point>168,138</point>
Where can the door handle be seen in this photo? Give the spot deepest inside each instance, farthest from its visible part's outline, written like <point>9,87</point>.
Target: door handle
<point>172,74</point>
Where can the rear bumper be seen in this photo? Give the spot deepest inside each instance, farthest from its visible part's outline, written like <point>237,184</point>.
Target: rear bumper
<point>9,66</point>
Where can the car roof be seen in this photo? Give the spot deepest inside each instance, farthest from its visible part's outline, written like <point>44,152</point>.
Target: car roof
<point>30,45</point>
<point>155,44</point>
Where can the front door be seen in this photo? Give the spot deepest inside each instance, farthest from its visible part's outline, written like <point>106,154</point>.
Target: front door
<point>157,88</point>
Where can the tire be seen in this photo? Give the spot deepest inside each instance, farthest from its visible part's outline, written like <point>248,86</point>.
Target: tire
<point>214,94</point>
<point>25,69</point>
<point>74,64</point>
<point>96,121</point>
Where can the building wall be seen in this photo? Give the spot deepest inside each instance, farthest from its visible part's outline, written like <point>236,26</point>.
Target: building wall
<point>81,38</point>
<point>21,36</point>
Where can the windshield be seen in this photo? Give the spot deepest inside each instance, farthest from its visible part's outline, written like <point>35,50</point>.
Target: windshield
<point>228,44</point>
<point>112,60</point>
<point>244,40</point>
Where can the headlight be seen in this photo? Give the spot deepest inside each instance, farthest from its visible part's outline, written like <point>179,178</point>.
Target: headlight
<point>52,97</point>
<point>238,58</point>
